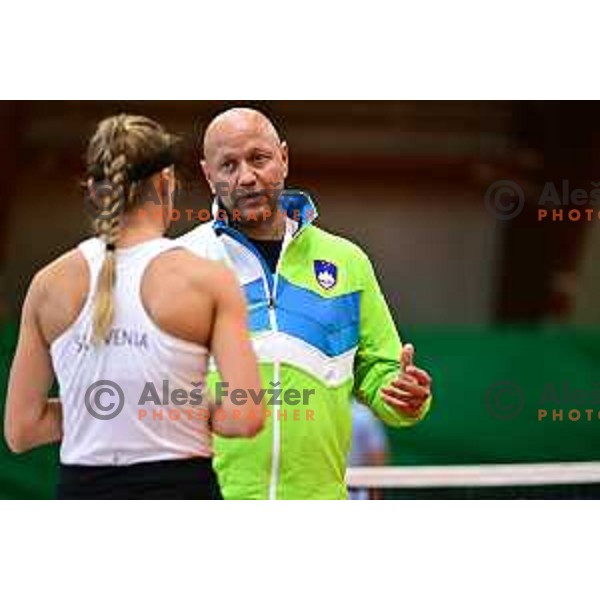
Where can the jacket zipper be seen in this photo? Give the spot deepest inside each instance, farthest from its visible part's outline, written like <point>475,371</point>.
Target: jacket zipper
<point>276,445</point>
<point>271,293</point>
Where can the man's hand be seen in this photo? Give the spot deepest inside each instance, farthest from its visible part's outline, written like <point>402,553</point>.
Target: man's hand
<point>407,394</point>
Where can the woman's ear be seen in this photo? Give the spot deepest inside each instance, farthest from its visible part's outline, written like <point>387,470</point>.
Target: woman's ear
<point>167,186</point>
<point>206,171</point>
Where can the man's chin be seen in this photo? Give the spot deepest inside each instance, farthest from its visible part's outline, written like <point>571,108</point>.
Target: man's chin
<point>255,215</point>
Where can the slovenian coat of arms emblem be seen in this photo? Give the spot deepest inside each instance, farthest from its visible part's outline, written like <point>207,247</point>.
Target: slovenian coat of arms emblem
<point>326,273</point>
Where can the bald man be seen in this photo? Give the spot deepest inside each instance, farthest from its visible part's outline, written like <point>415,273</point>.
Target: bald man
<point>320,325</point>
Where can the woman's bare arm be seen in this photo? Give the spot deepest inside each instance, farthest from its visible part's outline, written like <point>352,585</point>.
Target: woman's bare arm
<point>236,361</point>
<point>31,419</point>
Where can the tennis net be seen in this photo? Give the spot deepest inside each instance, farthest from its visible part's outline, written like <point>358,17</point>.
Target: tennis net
<point>570,480</point>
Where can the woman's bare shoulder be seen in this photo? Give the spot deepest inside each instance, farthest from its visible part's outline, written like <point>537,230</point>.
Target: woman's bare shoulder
<point>182,263</point>
<point>66,269</point>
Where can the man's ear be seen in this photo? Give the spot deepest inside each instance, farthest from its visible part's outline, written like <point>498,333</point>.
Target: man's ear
<point>284,158</point>
<point>206,171</point>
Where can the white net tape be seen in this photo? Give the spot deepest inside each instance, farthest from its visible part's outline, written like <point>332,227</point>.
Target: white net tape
<point>474,475</point>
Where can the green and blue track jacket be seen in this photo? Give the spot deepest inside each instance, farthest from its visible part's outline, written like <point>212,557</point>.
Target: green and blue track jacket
<point>319,323</point>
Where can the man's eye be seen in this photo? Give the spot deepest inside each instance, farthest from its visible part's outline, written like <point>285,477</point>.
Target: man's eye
<point>228,166</point>
<point>261,159</point>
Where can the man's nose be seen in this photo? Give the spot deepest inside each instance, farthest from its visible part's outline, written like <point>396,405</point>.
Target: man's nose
<point>247,175</point>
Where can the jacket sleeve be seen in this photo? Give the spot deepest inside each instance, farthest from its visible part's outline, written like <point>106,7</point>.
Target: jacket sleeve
<point>377,360</point>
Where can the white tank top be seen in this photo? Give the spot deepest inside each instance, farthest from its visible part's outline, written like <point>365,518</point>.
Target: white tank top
<point>104,424</point>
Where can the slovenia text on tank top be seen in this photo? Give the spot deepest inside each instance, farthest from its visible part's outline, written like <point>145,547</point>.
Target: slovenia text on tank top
<point>125,419</point>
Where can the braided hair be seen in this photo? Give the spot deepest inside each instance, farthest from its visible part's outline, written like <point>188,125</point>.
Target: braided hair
<point>123,152</point>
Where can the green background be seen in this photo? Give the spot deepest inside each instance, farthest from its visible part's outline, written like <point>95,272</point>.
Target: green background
<point>466,363</point>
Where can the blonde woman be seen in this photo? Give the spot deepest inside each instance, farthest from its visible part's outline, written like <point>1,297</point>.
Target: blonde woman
<point>126,322</point>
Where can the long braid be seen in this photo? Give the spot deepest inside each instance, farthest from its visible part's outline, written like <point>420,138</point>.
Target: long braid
<point>119,143</point>
<point>107,226</point>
